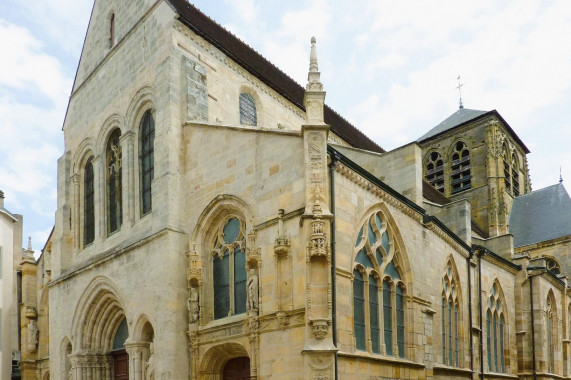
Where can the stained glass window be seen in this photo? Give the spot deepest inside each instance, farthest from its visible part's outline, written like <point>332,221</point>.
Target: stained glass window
<point>248,110</point>
<point>388,317</point>
<point>229,270</point>
<point>114,182</point>
<point>374,314</point>
<point>88,204</point>
<point>146,160</point>
<point>495,325</point>
<point>359,309</point>
<point>450,317</point>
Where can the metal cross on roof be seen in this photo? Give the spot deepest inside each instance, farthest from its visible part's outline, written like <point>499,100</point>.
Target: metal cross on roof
<point>460,91</point>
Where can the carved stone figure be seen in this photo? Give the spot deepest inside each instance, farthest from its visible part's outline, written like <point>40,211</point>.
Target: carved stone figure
<point>253,290</point>
<point>193,305</point>
<point>150,364</point>
<point>32,335</point>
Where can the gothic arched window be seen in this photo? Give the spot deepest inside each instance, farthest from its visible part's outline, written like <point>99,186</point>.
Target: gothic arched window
<point>495,334</point>
<point>248,115</point>
<point>553,265</point>
<point>507,169</point>
<point>434,172</point>
<point>461,177</point>
<point>146,160</point>
<point>515,175</point>
<point>551,315</point>
<point>450,318</point>
<point>88,203</point>
<point>378,299</point>
<point>229,269</point>
<point>114,182</point>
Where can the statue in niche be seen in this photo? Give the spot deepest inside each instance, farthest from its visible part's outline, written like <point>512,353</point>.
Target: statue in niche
<point>193,305</point>
<point>32,335</point>
<point>150,364</point>
<point>253,290</point>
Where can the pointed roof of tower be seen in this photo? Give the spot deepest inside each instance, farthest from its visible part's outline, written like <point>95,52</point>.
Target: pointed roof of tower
<point>463,116</point>
<point>265,71</point>
<point>541,215</point>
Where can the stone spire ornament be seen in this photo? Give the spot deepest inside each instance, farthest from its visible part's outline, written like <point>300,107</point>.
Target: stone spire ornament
<point>314,98</point>
<point>29,252</point>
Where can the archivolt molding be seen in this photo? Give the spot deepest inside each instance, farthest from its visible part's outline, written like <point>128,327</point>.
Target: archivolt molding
<point>98,313</point>
<point>214,359</point>
<point>143,100</point>
<point>114,121</point>
<point>85,150</point>
<point>222,58</point>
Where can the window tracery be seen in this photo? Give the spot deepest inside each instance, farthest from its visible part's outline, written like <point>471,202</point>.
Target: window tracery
<point>495,331</point>
<point>435,171</point>
<point>229,269</point>
<point>450,317</point>
<point>378,298</point>
<point>114,182</point>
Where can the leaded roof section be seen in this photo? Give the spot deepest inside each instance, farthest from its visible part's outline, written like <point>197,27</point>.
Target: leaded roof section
<point>463,115</point>
<point>541,215</point>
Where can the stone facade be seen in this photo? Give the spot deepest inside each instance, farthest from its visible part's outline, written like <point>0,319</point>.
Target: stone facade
<point>276,249</point>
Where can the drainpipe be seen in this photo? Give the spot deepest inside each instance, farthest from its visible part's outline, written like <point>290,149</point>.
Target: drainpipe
<point>532,328</point>
<point>468,260</point>
<point>333,261</point>
<point>480,307</point>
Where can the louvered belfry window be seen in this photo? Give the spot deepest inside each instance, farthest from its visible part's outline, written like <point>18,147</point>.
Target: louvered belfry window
<point>461,178</point>
<point>434,173</point>
<point>380,327</point>
<point>229,269</point>
<point>248,115</point>
<point>147,160</point>
<point>88,204</point>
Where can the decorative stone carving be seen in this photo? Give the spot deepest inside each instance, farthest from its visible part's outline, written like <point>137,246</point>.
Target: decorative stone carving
<point>319,328</point>
<point>253,288</point>
<point>150,364</point>
<point>30,312</point>
<point>253,253</point>
<point>317,241</point>
<point>281,244</point>
<point>193,305</point>
<point>32,335</point>
<point>283,320</point>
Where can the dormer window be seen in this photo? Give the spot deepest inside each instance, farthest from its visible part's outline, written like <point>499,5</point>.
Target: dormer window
<point>461,176</point>
<point>248,110</point>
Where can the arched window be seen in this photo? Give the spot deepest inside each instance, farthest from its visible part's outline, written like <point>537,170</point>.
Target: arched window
<point>248,114</point>
<point>461,177</point>
<point>146,160</point>
<point>495,335</point>
<point>88,204</point>
<point>551,315</point>
<point>434,172</point>
<point>450,317</point>
<point>114,182</point>
<point>515,175</point>
<point>383,294</point>
<point>112,30</point>
<point>229,269</point>
<point>553,265</point>
<point>507,169</point>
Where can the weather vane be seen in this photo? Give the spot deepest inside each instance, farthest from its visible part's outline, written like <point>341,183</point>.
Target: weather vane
<point>460,91</point>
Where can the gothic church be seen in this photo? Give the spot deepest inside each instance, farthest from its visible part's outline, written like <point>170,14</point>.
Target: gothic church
<point>216,220</point>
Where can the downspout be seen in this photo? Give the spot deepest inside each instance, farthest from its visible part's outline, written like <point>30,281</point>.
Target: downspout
<point>333,261</point>
<point>468,261</point>
<point>480,307</point>
<point>532,328</point>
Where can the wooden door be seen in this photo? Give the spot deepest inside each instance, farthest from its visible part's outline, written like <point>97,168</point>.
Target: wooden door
<point>121,365</point>
<point>237,369</point>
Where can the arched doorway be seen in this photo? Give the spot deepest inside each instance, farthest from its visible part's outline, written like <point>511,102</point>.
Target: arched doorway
<point>120,356</point>
<point>237,369</point>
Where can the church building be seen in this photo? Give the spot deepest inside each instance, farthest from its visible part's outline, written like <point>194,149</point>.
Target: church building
<point>216,220</point>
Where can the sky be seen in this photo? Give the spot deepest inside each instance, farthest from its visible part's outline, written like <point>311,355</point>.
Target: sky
<point>389,67</point>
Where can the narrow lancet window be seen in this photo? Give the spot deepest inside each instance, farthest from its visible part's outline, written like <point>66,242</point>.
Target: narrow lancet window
<point>147,160</point>
<point>88,204</point>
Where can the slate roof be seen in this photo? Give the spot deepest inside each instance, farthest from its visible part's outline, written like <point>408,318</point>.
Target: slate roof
<point>463,116</point>
<point>541,215</point>
<point>265,71</point>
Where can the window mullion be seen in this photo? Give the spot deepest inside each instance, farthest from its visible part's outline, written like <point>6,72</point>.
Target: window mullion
<point>231,285</point>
